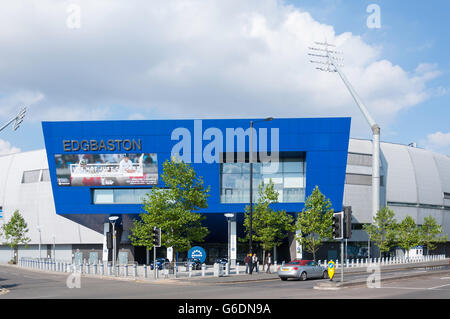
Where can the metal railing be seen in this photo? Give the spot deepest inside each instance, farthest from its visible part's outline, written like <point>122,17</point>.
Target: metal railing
<point>364,262</point>
<point>186,270</point>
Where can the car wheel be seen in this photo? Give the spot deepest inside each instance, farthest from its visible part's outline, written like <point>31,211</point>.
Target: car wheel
<point>303,276</point>
<point>284,279</point>
<point>325,275</point>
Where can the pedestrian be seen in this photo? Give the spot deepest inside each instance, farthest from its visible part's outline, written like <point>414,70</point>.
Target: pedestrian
<point>255,262</point>
<point>269,263</point>
<point>247,262</point>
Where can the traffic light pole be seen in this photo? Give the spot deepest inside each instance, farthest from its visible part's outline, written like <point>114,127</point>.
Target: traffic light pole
<point>154,262</point>
<point>342,260</point>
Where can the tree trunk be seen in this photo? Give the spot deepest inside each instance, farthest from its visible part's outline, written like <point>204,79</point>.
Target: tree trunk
<point>264,258</point>
<point>16,254</point>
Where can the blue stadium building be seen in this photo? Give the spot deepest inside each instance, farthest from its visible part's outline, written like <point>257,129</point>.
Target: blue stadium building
<point>99,169</point>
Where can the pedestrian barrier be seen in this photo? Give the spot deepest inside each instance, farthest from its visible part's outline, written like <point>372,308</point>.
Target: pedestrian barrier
<point>182,269</point>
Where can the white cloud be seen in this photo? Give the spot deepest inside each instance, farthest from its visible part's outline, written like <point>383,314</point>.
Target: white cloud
<point>6,148</point>
<point>439,142</point>
<point>193,58</point>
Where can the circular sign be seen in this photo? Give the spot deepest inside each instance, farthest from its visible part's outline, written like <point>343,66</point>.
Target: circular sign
<point>198,253</point>
<point>331,269</point>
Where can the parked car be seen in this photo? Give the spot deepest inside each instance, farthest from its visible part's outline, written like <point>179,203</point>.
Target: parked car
<point>160,263</point>
<point>222,260</point>
<point>195,262</point>
<point>302,270</point>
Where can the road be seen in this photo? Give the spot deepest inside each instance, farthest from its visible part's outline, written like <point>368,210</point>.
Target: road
<point>22,283</point>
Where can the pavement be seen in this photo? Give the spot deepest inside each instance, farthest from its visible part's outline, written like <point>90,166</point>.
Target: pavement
<point>433,281</point>
<point>389,272</point>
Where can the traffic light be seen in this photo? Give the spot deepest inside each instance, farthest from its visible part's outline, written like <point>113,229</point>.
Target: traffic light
<point>156,237</point>
<point>19,118</point>
<point>347,222</point>
<point>338,227</point>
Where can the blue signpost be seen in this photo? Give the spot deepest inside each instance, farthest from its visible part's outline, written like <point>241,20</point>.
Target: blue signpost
<point>198,253</point>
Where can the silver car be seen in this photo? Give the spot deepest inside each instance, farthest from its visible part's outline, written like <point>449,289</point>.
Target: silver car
<point>302,270</point>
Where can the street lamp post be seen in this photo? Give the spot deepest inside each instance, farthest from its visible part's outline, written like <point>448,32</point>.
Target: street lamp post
<point>39,230</point>
<point>251,190</point>
<point>54,247</point>
<point>113,219</point>
<point>229,217</point>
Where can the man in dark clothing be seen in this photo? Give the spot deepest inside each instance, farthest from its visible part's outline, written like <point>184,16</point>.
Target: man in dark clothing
<point>247,262</point>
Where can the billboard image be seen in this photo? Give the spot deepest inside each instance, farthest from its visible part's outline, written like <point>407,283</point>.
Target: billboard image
<point>106,169</point>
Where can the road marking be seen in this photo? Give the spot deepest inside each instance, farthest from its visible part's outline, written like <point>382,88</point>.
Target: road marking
<point>445,278</point>
<point>439,286</point>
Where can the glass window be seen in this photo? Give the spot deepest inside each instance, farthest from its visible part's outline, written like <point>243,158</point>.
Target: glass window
<point>103,196</point>
<point>31,176</point>
<point>45,175</point>
<point>288,177</point>
<point>120,195</point>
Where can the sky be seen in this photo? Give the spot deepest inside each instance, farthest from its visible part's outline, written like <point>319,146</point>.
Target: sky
<point>174,59</point>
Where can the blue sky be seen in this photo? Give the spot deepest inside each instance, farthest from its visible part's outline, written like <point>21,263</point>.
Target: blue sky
<point>412,32</point>
<point>194,59</point>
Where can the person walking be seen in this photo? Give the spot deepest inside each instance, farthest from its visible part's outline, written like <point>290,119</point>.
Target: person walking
<point>269,263</point>
<point>247,262</point>
<point>255,262</point>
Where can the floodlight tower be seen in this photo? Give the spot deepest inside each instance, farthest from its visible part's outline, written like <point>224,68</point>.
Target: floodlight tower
<point>332,63</point>
<point>17,119</point>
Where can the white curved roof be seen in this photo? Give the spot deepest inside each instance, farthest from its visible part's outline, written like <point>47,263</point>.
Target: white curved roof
<point>35,202</point>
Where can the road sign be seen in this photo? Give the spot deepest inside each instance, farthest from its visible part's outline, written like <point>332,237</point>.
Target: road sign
<point>197,252</point>
<point>331,269</point>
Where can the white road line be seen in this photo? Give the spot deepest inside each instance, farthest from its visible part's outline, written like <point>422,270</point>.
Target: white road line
<point>439,286</point>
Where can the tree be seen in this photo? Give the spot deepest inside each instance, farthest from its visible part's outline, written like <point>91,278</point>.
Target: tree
<point>173,209</point>
<point>408,234</point>
<point>315,222</point>
<point>15,233</point>
<point>429,233</point>
<point>383,230</point>
<point>269,227</point>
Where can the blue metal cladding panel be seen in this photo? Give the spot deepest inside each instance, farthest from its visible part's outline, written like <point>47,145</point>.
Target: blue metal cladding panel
<point>323,140</point>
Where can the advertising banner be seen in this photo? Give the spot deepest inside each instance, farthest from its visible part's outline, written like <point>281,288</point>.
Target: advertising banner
<point>106,169</point>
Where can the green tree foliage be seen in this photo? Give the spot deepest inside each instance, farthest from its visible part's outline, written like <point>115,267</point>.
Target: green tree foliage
<point>430,233</point>
<point>314,222</point>
<point>408,234</point>
<point>269,227</point>
<point>173,209</point>
<point>15,233</point>
<point>383,230</point>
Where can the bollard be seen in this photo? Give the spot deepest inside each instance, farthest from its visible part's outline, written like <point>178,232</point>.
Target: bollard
<point>145,271</point>
<point>216,270</point>
<point>275,265</point>
<point>237,268</point>
<point>190,270</point>
<point>134,271</point>
<point>227,269</point>
<point>203,270</point>
<point>117,270</point>
<point>125,270</point>
<point>95,269</point>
